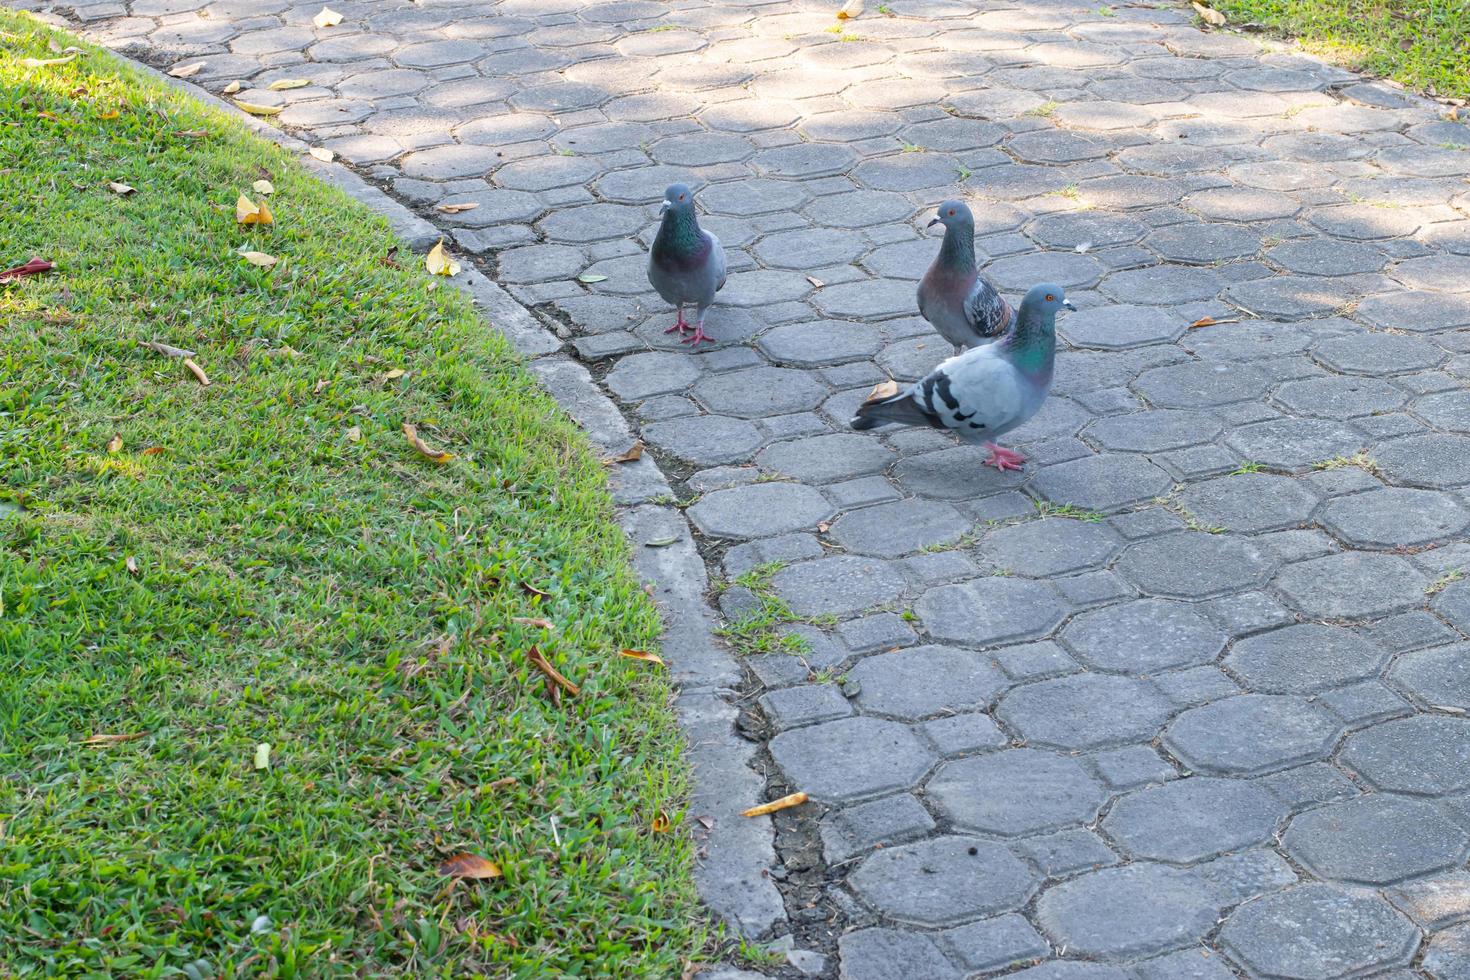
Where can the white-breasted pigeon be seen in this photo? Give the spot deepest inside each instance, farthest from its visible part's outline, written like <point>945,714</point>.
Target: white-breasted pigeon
<point>953,296</point>
<point>686,263</point>
<point>984,393</point>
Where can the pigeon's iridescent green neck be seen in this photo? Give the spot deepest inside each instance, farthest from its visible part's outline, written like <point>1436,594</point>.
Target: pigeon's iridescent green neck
<point>958,251</point>
<point>678,234</point>
<point>1031,343</point>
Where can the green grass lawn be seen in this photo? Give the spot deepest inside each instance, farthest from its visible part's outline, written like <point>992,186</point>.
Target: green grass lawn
<point>1424,44</point>
<point>268,560</point>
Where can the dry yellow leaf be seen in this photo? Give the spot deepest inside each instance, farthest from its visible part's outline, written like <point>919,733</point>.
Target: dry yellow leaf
<point>263,187</point>
<point>883,389</point>
<point>232,88</point>
<point>327,17</point>
<point>633,454</point>
<point>248,212</point>
<point>538,659</point>
<point>457,208</point>
<point>424,449</point>
<point>850,10</point>
<point>322,154</point>
<point>131,564</point>
<point>644,655</point>
<point>354,434</point>
<point>1212,17</point>
<point>260,259</point>
<point>99,741</point>
<point>109,114</point>
<point>286,84</point>
<point>469,866</point>
<point>122,190</point>
<point>186,71</point>
<point>785,802</point>
<point>197,371</point>
<point>439,263</point>
<point>115,444</point>
<point>256,109</point>
<point>539,623</point>
<point>47,62</point>
<point>661,823</point>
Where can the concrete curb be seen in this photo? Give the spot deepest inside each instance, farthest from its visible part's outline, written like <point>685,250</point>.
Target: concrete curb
<point>735,852</point>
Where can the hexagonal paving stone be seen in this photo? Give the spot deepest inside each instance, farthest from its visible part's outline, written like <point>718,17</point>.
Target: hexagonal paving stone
<point>1194,565</point>
<point>1318,932</point>
<point>1453,604</point>
<point>1327,257</point>
<point>1435,460</point>
<point>759,510</point>
<point>852,758</point>
<point>1154,431</point>
<point>1143,636</point>
<point>821,343</point>
<point>1051,546</point>
<point>1449,410</point>
<point>1424,755</point>
<point>1340,397</point>
<point>838,585</point>
<point>1192,819</point>
<point>1418,311</point>
<point>1165,285</point>
<point>943,881</point>
<point>1021,272</point>
<point>1017,792</point>
<point>705,440</point>
<point>760,392</point>
<point>1304,658</point>
<point>1069,229</point>
<point>1439,677</point>
<point>923,681</point>
<point>1376,840</point>
<point>1121,326</point>
<point>1242,204</point>
<point>826,459</point>
<point>1197,384</point>
<point>1295,444</point>
<point>1122,913</point>
<point>990,610</point>
<point>1086,711</point>
<point>1252,733</point>
<point>640,376</point>
<point>899,527</point>
<point>1249,502</point>
<point>1105,483</point>
<point>877,954</point>
<point>1395,517</point>
<point>1352,585</point>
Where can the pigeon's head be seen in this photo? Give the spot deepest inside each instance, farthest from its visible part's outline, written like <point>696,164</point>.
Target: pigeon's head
<point>679,199</point>
<point>1046,297</point>
<point>954,214</point>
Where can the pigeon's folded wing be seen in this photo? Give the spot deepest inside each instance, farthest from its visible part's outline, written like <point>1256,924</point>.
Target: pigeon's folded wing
<point>972,394</point>
<point>986,311</point>
<point>717,260</point>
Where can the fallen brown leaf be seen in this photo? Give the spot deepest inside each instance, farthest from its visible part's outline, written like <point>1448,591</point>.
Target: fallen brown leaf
<point>256,109</point>
<point>708,823</point>
<point>197,371</point>
<point>539,661</point>
<point>247,212</point>
<point>165,349</point>
<point>882,390</point>
<point>186,71</point>
<point>263,186</point>
<point>439,263</point>
<point>322,153</point>
<point>154,450</point>
<point>851,9</point>
<point>1212,17</point>
<point>457,208</point>
<point>327,17</point>
<point>469,866</point>
<point>1209,321</point>
<point>643,655</point>
<point>131,564</point>
<point>232,88</point>
<point>661,823</point>
<point>424,449</point>
<point>545,624</point>
<point>532,590</point>
<point>115,444</point>
<point>99,741</point>
<point>260,259</point>
<point>815,282</point>
<point>392,375</point>
<point>354,434</point>
<point>192,134</point>
<point>121,190</point>
<point>34,267</point>
<point>784,803</point>
<point>286,84</point>
<point>634,453</point>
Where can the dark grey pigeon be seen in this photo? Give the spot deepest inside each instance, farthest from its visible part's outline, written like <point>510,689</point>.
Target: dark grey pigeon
<point>686,264</point>
<point>953,296</point>
<point>984,393</point>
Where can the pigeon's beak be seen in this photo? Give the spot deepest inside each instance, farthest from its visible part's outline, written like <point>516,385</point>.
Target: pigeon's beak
<point>934,222</point>
<point>663,209</point>
<point>1067,304</point>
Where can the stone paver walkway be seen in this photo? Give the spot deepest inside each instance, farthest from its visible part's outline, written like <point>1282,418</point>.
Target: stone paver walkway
<point>1186,698</point>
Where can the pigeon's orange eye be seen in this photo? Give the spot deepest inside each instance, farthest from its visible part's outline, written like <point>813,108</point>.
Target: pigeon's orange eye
<point>1050,298</point>
<point>681,197</point>
<point>951,212</point>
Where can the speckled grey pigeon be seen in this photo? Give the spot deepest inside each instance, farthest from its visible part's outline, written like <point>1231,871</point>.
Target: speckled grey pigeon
<point>686,263</point>
<point>953,296</point>
<point>984,393</point>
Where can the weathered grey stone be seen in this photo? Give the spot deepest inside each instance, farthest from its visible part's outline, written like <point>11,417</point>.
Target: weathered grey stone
<point>1294,444</point>
<point>824,459</point>
<point>1395,517</point>
<point>1067,852</point>
<point>1318,932</point>
<point>1439,677</point>
<point>1428,755</point>
<point>837,585</point>
<point>943,881</point>
<point>1143,636</point>
<point>855,830</point>
<point>1250,502</point>
<point>1189,820</point>
<point>1122,913</point>
<point>1304,658</point>
<point>882,953</point>
<point>804,705</point>
<point>900,527</point>
<point>1251,734</point>
<point>964,734</point>
<point>852,758</point>
<point>1433,461</point>
<point>1103,483</point>
<point>1070,970</point>
<point>759,510</point>
<point>1340,397</point>
<point>1085,711</point>
<point>990,610</point>
<point>1187,964</point>
<point>1448,957</point>
<point>706,440</point>
<point>1153,432</point>
<point>1194,565</point>
<point>1376,840</point>
<point>994,943</point>
<point>1435,902</point>
<point>1016,792</point>
<point>924,681</point>
<point>1352,585</point>
<point>1131,766</point>
<point>1048,547</point>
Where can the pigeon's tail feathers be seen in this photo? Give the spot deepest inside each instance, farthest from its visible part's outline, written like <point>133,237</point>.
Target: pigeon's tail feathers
<point>900,409</point>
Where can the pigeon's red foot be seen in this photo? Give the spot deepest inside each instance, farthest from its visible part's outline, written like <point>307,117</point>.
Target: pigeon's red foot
<point>680,324</point>
<point>699,336</point>
<point>1003,459</point>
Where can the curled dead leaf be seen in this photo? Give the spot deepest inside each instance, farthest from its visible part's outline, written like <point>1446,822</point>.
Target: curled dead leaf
<point>322,153</point>
<point>439,263</point>
<point>256,109</point>
<point>1212,17</point>
<point>263,186</point>
<point>468,865</point>
<point>247,212</point>
<point>121,190</point>
<point>539,661</point>
<point>115,444</point>
<point>784,803</point>
<point>47,62</point>
<point>633,454</point>
<point>661,823</point>
<point>423,448</point>
<point>882,390</point>
<point>192,134</point>
<point>167,350</point>
<point>545,624</point>
<point>661,542</point>
<point>131,564</point>
<point>327,17</point>
<point>197,371</point>
<point>643,655</point>
<point>1209,321</point>
<point>533,591</point>
<point>816,283</point>
<point>392,375</point>
<point>286,84</point>
<point>232,88</point>
<point>153,450</point>
<point>34,267</point>
<point>850,9</point>
<point>186,71</point>
<point>457,208</point>
<point>259,258</point>
<point>354,434</point>
<point>101,741</point>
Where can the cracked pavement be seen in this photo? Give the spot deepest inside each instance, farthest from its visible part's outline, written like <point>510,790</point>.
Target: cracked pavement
<point>1186,698</point>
